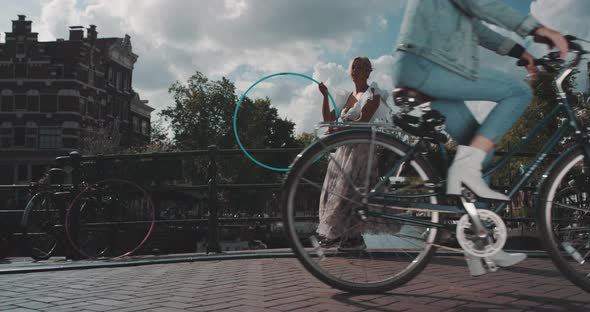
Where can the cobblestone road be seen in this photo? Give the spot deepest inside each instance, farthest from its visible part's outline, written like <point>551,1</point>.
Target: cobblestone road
<point>281,284</point>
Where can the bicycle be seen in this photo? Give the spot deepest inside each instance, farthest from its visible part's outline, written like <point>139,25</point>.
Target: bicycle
<point>107,218</point>
<point>398,205</point>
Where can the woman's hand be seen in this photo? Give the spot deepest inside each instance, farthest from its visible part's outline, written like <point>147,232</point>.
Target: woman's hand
<point>530,67</point>
<point>552,38</point>
<point>323,89</point>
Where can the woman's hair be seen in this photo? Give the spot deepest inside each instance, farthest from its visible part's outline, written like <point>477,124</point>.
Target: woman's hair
<point>364,60</point>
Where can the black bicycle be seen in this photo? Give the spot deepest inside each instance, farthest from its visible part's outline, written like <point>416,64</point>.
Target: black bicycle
<point>107,218</point>
<point>393,209</point>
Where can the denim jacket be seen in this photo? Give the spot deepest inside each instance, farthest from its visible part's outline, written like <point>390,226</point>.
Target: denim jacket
<point>448,32</point>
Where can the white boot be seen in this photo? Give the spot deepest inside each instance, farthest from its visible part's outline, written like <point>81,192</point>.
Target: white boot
<point>466,169</point>
<point>505,259</point>
<point>502,258</point>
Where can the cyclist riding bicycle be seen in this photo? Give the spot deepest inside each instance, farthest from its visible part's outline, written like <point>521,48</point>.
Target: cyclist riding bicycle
<point>437,58</point>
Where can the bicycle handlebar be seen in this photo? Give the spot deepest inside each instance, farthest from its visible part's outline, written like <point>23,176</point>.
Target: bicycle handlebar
<point>553,58</point>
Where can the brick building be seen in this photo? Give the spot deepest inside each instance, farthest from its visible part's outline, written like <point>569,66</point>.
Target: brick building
<point>55,93</point>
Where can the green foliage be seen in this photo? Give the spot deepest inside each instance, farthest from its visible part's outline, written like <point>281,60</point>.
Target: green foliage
<point>305,138</point>
<point>100,141</point>
<point>203,115</point>
<point>543,102</point>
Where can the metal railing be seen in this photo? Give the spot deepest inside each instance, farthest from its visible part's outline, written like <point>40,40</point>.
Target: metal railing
<point>212,186</point>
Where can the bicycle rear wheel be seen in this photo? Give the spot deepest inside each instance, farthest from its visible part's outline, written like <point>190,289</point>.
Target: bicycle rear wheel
<point>336,174</point>
<point>110,218</point>
<point>564,218</point>
<point>40,224</point>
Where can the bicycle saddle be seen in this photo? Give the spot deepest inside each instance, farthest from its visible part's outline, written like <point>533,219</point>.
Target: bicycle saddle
<point>416,117</point>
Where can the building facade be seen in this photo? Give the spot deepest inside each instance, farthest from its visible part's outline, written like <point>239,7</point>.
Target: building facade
<point>56,93</point>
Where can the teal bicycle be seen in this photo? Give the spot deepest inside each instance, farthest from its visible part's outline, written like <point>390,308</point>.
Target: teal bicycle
<point>394,209</point>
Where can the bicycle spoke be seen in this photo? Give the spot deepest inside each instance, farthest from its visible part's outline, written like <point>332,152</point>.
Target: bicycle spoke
<point>333,193</point>
<point>372,251</point>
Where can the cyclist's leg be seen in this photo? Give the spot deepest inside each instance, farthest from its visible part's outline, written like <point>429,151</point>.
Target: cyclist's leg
<point>512,98</point>
<point>511,95</point>
<point>461,125</point>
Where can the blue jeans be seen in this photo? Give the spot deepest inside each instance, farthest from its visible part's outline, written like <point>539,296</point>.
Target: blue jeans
<point>450,90</point>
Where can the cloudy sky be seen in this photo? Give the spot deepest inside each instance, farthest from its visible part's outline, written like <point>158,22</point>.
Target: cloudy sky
<point>245,40</point>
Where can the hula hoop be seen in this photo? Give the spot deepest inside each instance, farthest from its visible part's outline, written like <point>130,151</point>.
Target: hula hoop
<point>240,103</point>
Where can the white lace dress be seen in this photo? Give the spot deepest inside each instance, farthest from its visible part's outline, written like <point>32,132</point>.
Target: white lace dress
<point>337,218</point>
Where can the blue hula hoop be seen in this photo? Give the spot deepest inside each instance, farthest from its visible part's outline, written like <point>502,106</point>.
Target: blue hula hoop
<point>240,103</point>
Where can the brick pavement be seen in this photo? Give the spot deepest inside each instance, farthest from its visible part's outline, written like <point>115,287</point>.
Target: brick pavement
<point>281,284</point>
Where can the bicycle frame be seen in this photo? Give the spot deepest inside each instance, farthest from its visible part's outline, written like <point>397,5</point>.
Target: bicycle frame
<point>570,127</point>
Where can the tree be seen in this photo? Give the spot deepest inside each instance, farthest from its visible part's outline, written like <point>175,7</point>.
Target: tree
<point>203,115</point>
<point>544,101</point>
<point>101,140</point>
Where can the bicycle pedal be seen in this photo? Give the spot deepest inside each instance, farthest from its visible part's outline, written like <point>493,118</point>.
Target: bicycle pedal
<point>490,264</point>
<point>468,195</point>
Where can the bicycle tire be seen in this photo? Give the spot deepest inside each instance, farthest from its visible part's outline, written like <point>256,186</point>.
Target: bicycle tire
<point>384,246</point>
<point>39,222</point>
<point>106,230</point>
<point>556,225</point>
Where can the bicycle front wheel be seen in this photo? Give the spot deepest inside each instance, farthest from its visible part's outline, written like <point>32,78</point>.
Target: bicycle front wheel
<point>564,218</point>
<point>110,218</point>
<point>336,202</point>
<point>41,226</point>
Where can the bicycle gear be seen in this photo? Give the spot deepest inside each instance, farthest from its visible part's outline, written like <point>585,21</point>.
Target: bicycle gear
<point>475,246</point>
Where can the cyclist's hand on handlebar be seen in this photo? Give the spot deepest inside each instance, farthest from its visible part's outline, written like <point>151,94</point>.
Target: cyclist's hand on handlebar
<point>530,68</point>
<point>553,39</point>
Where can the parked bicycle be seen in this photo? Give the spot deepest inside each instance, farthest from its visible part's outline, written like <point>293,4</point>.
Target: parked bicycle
<point>107,218</point>
<point>400,208</point>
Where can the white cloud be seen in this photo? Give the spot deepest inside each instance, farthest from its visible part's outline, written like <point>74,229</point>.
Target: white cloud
<point>174,38</point>
<point>248,39</point>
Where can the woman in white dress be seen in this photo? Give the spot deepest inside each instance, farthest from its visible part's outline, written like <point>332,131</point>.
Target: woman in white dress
<point>338,224</point>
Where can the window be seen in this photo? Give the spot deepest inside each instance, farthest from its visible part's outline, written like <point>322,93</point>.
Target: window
<point>23,172</point>
<point>144,127</point>
<point>20,70</point>
<point>37,71</point>
<point>92,109</point>
<point>31,136</point>
<point>57,71</point>
<point>119,82</point>
<point>20,102</point>
<point>6,136</point>
<point>8,175</point>
<point>82,106</point>
<point>6,71</point>
<point>33,103</point>
<point>20,48</point>
<point>7,103</point>
<point>19,136</point>
<point>69,103</point>
<point>49,138</point>
<point>117,108</point>
<point>125,111</point>
<point>135,122</point>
